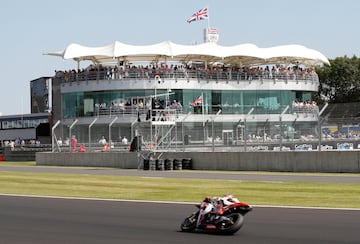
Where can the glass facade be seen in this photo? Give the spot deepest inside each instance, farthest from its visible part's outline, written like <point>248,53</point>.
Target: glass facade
<point>82,104</point>
<point>19,122</point>
<point>39,90</point>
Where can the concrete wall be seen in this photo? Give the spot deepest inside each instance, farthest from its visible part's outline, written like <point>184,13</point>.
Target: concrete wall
<point>314,161</point>
<point>18,154</point>
<point>124,160</point>
<point>292,161</point>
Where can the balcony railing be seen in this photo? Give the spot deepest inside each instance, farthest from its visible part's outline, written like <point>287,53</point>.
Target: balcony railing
<point>209,75</point>
<point>134,111</point>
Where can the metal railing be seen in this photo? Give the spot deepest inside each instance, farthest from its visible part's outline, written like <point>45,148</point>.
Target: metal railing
<point>215,75</point>
<point>133,110</point>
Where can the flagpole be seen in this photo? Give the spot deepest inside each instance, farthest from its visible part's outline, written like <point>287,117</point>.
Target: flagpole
<point>203,113</point>
<point>208,19</point>
<point>202,106</point>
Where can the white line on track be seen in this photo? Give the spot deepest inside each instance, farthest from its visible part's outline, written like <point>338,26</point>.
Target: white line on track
<point>168,202</point>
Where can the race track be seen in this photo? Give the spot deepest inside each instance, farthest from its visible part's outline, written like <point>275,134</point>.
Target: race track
<point>51,220</point>
<point>192,174</point>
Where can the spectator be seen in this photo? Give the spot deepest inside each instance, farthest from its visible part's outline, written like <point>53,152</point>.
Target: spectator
<point>125,140</point>
<point>60,142</point>
<point>67,141</point>
<point>12,144</point>
<point>106,147</point>
<point>82,148</point>
<point>102,141</point>
<point>73,143</point>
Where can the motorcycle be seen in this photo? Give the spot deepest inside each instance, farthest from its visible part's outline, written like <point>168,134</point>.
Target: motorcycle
<point>221,219</point>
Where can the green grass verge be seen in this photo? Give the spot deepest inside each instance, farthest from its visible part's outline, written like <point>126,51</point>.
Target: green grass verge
<point>25,163</point>
<point>341,195</point>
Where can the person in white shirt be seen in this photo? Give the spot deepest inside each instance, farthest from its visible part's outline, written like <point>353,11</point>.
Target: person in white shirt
<point>102,141</point>
<point>125,140</point>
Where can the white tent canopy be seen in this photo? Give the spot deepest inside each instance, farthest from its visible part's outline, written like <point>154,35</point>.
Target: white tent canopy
<point>243,54</point>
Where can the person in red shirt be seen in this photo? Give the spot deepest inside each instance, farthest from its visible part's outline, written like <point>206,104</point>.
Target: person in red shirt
<point>82,148</point>
<point>73,143</point>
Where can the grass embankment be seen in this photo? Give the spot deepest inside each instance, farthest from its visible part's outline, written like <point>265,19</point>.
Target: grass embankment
<point>340,195</point>
<point>20,163</point>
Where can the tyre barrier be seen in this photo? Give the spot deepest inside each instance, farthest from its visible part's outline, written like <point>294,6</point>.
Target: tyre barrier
<point>187,163</point>
<point>160,164</point>
<point>146,164</point>
<point>177,164</point>
<point>152,164</point>
<point>169,164</point>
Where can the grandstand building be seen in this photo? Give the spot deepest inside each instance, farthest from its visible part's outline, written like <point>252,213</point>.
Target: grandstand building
<point>27,127</point>
<point>170,94</point>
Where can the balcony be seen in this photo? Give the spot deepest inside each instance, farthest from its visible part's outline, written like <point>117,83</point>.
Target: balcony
<point>201,74</point>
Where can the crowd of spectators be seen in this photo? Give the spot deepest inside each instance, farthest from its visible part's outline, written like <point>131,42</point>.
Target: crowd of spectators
<point>305,107</point>
<point>20,142</point>
<point>173,71</point>
<point>140,107</point>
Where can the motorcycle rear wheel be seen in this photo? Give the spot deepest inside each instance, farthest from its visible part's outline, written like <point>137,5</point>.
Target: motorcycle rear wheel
<point>230,228</point>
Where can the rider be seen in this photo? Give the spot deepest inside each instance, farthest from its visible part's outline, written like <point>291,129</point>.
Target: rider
<point>211,205</point>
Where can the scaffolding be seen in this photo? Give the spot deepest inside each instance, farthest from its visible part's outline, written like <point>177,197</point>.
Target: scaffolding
<point>155,137</point>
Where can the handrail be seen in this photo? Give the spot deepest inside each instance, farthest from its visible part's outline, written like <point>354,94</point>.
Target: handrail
<point>218,75</point>
<point>132,110</point>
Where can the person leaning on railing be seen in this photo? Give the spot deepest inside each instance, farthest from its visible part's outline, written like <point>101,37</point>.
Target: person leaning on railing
<point>187,71</point>
<point>305,106</point>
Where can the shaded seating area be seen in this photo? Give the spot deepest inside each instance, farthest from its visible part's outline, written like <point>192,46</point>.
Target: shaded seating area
<point>342,113</point>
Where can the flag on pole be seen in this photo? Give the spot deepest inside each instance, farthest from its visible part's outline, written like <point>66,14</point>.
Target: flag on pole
<point>197,101</point>
<point>199,15</point>
<point>212,31</point>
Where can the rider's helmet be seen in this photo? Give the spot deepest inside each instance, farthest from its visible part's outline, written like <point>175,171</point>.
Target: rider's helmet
<point>207,199</point>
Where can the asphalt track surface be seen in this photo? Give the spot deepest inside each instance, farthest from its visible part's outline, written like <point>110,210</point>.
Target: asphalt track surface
<point>51,220</point>
<point>215,175</point>
<point>58,220</point>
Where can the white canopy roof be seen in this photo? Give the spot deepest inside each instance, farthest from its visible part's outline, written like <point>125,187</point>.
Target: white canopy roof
<point>243,54</point>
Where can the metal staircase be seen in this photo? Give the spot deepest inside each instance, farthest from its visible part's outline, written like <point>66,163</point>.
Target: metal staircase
<point>156,135</point>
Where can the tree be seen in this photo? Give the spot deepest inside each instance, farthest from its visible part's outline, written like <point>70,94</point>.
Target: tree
<point>340,82</point>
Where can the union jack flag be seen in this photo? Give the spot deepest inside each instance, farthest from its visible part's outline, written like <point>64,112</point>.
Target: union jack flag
<point>197,101</point>
<point>199,15</point>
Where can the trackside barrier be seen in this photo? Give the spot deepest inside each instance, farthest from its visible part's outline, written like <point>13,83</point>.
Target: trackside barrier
<point>178,164</point>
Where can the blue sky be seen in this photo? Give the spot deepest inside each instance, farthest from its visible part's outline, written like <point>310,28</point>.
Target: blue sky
<point>31,28</point>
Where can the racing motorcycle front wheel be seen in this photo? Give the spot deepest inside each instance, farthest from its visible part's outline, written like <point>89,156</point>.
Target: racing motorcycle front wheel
<point>231,224</point>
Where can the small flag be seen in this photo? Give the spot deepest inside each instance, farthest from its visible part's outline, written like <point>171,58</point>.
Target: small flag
<point>197,101</point>
<point>201,14</point>
<point>212,31</point>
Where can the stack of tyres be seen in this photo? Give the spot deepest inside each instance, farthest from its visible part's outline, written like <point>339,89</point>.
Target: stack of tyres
<point>187,163</point>
<point>160,164</point>
<point>178,164</point>
<point>152,164</point>
<point>146,164</point>
<point>169,164</point>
